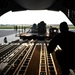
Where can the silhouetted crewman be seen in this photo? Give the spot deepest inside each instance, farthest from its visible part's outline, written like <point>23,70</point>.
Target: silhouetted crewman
<point>66,40</point>
<point>5,39</point>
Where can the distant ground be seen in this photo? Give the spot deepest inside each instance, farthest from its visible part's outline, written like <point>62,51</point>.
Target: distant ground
<point>12,27</point>
<point>70,26</point>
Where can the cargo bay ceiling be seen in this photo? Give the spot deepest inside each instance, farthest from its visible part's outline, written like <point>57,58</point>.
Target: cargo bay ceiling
<point>66,6</point>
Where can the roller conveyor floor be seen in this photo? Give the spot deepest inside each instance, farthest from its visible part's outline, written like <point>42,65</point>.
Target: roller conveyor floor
<point>31,59</point>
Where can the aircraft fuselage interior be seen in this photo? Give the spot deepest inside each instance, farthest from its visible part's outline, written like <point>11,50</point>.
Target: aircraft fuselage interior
<point>29,56</point>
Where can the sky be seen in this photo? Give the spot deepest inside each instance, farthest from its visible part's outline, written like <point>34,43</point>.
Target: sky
<point>33,16</point>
